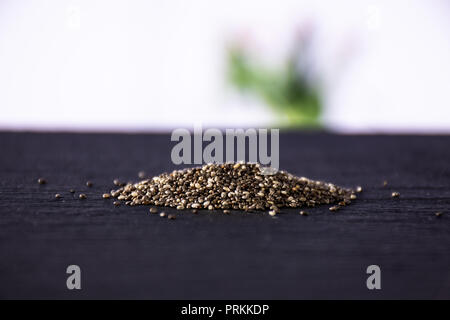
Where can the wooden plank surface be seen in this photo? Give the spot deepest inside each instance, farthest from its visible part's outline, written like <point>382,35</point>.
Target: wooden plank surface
<point>124,252</point>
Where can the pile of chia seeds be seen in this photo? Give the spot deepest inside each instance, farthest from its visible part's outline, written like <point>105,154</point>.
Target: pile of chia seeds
<point>237,186</point>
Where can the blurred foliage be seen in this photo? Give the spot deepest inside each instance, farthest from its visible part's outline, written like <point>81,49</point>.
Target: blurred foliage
<point>286,90</point>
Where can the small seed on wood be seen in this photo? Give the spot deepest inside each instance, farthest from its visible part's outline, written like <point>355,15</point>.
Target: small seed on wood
<point>334,208</point>
<point>58,196</point>
<point>358,189</point>
<point>116,203</point>
<point>275,209</point>
<point>106,196</point>
<point>89,184</point>
<point>438,214</point>
<point>272,213</point>
<point>72,191</point>
<point>42,181</point>
<point>194,211</point>
<point>171,217</point>
<point>226,211</point>
<point>153,210</point>
<point>82,196</point>
<point>395,194</point>
<point>303,213</point>
<point>142,174</point>
<point>162,214</point>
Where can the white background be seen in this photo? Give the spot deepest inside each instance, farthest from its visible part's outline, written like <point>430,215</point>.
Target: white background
<point>157,65</point>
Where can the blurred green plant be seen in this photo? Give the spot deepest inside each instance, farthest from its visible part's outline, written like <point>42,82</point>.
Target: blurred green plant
<point>286,90</point>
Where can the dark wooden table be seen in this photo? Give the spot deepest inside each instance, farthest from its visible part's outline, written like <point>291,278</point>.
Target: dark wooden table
<point>124,252</point>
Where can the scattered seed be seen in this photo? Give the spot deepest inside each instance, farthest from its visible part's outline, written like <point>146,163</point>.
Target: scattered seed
<point>89,184</point>
<point>438,214</point>
<point>303,213</point>
<point>82,196</point>
<point>171,217</point>
<point>385,183</point>
<point>142,174</point>
<point>353,196</point>
<point>72,191</point>
<point>272,213</point>
<point>358,189</point>
<point>395,194</point>
<point>334,208</point>
<point>275,209</point>
<point>106,196</point>
<point>116,182</point>
<point>42,181</point>
<point>194,211</point>
<point>116,203</point>
<point>58,196</point>
<point>162,214</point>
<point>226,211</point>
<point>153,210</point>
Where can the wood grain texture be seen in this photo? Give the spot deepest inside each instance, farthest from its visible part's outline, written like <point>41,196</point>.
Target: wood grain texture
<point>124,252</point>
